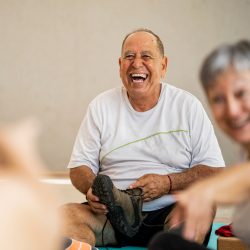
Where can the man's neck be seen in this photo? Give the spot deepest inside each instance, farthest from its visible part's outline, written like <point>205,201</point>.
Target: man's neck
<point>145,103</point>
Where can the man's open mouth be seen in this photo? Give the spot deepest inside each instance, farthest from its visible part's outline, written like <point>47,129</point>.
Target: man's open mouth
<point>138,77</point>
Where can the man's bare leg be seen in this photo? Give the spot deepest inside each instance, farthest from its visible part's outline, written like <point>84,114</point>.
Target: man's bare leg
<point>80,223</point>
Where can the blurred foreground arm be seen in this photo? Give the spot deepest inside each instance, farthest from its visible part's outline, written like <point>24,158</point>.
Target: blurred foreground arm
<point>195,205</point>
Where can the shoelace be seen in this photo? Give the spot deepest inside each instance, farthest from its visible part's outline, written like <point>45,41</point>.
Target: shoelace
<point>132,191</point>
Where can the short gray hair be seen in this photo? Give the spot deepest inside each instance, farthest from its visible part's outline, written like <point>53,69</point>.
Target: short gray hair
<point>235,55</point>
<point>158,40</point>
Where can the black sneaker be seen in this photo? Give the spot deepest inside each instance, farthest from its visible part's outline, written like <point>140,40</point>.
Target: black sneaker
<point>124,206</point>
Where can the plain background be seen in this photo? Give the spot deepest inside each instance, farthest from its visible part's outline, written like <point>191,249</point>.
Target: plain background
<point>57,55</point>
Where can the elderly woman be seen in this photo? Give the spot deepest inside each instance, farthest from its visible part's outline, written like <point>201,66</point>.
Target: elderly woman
<point>225,76</point>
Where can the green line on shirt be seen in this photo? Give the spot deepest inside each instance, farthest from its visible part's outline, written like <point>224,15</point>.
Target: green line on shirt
<point>143,139</point>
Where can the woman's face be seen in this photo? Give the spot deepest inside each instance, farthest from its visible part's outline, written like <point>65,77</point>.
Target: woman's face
<point>229,98</point>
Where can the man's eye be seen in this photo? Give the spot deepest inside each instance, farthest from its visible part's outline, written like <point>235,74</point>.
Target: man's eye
<point>146,57</point>
<point>129,57</point>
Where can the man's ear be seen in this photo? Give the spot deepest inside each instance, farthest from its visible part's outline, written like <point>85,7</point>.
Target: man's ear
<point>164,66</point>
<point>120,61</point>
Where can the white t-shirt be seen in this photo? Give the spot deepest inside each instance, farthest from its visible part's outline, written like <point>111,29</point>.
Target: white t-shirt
<point>125,144</point>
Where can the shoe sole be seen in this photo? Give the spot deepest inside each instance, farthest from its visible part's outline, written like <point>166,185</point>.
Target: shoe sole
<point>103,188</point>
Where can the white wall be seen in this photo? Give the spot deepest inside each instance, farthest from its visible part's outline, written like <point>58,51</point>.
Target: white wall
<point>56,55</point>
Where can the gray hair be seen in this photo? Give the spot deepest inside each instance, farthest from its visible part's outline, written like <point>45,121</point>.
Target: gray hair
<point>235,55</point>
<point>158,40</point>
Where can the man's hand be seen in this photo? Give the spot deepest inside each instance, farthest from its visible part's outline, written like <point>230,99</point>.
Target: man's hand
<point>94,203</point>
<point>153,185</point>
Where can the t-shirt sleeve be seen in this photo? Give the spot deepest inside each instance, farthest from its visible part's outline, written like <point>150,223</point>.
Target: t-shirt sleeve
<point>86,149</point>
<point>206,150</point>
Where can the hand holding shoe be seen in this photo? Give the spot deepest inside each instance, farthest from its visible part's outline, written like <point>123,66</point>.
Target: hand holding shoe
<point>153,186</point>
<point>95,204</point>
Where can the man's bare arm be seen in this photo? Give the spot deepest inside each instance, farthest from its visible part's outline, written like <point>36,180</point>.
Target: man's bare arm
<point>82,178</point>
<point>184,179</point>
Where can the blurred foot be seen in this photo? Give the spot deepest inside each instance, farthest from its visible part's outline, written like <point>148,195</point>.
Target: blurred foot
<point>171,241</point>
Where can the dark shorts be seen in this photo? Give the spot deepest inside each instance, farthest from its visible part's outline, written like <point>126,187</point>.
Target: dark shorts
<point>153,223</point>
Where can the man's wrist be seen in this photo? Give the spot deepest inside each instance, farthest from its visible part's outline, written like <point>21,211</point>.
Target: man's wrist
<point>170,184</point>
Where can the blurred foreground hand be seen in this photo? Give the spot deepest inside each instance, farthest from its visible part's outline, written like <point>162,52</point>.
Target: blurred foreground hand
<point>27,208</point>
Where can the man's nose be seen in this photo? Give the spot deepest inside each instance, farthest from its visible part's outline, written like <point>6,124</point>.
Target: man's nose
<point>137,62</point>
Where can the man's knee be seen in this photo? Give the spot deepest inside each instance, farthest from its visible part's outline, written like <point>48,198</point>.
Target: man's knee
<point>75,222</point>
<point>74,212</point>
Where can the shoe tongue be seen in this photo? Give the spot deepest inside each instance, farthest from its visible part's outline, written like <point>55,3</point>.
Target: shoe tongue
<point>134,191</point>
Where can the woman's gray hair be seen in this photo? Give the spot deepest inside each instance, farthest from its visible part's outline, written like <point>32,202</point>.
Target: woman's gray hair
<point>235,55</point>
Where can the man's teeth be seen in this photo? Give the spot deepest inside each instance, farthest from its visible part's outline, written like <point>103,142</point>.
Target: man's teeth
<point>139,75</point>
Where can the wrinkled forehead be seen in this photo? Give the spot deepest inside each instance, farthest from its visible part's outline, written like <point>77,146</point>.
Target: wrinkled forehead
<point>140,41</point>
